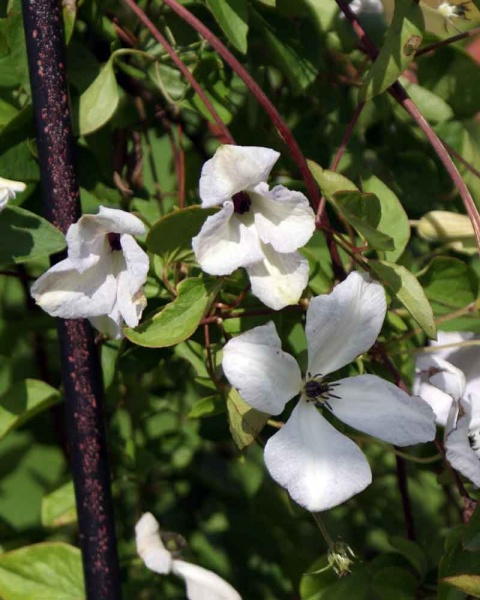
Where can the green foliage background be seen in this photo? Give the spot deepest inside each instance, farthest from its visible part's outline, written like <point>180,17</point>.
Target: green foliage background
<point>142,137</point>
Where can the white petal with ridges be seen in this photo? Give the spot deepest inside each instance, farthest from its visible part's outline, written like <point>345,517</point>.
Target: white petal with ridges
<point>234,169</point>
<point>344,323</point>
<point>150,547</point>
<point>265,376</point>
<point>379,408</point>
<point>460,453</point>
<point>319,466</point>
<point>283,218</point>
<point>279,279</point>
<point>225,243</point>
<point>203,584</point>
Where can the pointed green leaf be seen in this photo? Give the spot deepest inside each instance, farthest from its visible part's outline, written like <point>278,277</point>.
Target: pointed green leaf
<point>23,401</point>
<point>245,422</point>
<point>363,212</point>
<point>172,235</point>
<point>401,42</point>
<point>178,320</point>
<point>99,101</point>
<point>404,286</point>
<point>470,584</point>
<point>58,507</point>
<point>207,407</point>
<point>330,182</point>
<point>232,16</point>
<point>25,236</point>
<point>393,218</point>
<point>50,571</point>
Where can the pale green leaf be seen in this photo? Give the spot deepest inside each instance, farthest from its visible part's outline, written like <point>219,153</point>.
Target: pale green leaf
<point>470,584</point>
<point>245,422</point>
<point>232,16</point>
<point>58,507</point>
<point>330,182</point>
<point>99,101</point>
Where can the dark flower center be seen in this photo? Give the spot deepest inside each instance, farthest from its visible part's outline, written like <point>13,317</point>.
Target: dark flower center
<point>241,202</point>
<point>114,241</point>
<point>318,391</point>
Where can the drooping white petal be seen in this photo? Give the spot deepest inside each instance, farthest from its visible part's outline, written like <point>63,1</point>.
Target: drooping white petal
<point>8,189</point>
<point>379,408</point>
<point>462,445</point>
<point>319,466</point>
<point>63,292</point>
<point>226,242</point>
<point>463,357</point>
<point>150,547</point>
<point>110,325</point>
<point>234,169</point>
<point>279,279</point>
<point>344,323</point>
<point>438,382</point>
<point>265,376</point>
<point>283,218</point>
<point>130,298</point>
<point>203,584</point>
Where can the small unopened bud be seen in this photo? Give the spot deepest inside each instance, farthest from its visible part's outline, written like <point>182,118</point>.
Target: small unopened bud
<point>445,226</point>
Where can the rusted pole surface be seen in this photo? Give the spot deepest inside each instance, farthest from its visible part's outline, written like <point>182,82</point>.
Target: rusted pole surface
<point>80,365</point>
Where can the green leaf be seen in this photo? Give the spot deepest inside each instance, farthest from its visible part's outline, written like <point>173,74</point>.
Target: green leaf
<point>25,236</point>
<point>470,584</point>
<point>330,182</point>
<point>172,235</point>
<point>449,284</point>
<point>232,16</point>
<point>207,407</point>
<point>404,286</point>
<point>58,507</point>
<point>414,553</point>
<point>99,101</point>
<point>363,212</point>
<point>50,571</point>
<point>433,107</point>
<point>394,583</point>
<point>472,535</point>
<point>393,218</point>
<point>401,42</point>
<point>23,401</point>
<point>245,422</point>
<point>16,43</point>
<point>178,320</point>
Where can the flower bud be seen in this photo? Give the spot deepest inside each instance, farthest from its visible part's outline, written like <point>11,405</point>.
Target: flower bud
<point>445,226</point>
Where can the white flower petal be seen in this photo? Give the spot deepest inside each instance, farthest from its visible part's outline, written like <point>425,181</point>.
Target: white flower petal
<point>279,279</point>
<point>265,376</point>
<point>8,189</point>
<point>344,323</point>
<point>319,466</point>
<point>226,242</point>
<point>203,584</point>
<point>150,547</point>
<point>379,408</point>
<point>234,169</point>
<point>283,218</point>
<point>110,326</point>
<point>63,292</point>
<point>130,298</point>
<point>460,453</point>
<point>463,357</point>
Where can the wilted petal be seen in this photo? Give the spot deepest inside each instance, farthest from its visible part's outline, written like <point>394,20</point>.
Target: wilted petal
<point>234,169</point>
<point>283,218</point>
<point>379,408</point>
<point>111,326</point>
<point>344,323</point>
<point>265,376</point>
<point>279,279</point>
<point>150,547</point>
<point>225,243</point>
<point>63,292</point>
<point>319,466</point>
<point>203,584</point>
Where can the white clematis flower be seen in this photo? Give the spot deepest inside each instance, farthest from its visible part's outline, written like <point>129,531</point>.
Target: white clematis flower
<point>257,228</point>
<point>462,439</point>
<point>8,190</point>
<point>102,278</point>
<point>201,583</point>
<point>460,362</point>
<point>319,466</point>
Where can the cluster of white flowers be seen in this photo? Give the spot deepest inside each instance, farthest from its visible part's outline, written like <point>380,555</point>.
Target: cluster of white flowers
<point>449,380</point>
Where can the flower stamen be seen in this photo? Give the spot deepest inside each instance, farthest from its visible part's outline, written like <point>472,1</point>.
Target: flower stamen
<point>319,391</point>
<point>241,202</point>
<point>114,241</point>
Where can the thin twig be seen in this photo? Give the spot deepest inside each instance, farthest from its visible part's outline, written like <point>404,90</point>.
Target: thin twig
<point>450,40</point>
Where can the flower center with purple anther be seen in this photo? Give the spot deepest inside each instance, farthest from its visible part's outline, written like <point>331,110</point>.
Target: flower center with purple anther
<point>114,241</point>
<point>318,391</point>
<point>241,202</point>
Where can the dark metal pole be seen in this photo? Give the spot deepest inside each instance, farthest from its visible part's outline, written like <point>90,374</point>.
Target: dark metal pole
<point>80,364</point>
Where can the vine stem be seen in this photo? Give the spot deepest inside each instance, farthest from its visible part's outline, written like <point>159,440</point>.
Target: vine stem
<point>450,40</point>
<point>80,365</point>
<point>227,137</point>
<point>399,93</point>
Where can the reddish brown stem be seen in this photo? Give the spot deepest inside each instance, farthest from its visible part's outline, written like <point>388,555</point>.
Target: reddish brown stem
<point>450,40</point>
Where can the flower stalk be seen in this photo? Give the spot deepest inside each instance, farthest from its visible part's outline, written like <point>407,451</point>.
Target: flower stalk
<point>80,366</point>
